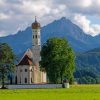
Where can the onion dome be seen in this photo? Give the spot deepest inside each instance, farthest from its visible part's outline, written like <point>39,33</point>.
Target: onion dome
<point>36,25</point>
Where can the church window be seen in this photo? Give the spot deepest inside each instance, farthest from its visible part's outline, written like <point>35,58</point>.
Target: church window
<point>31,80</point>
<point>36,36</point>
<point>25,80</point>
<point>31,70</point>
<point>25,70</point>
<point>35,30</point>
<point>20,80</point>
<point>33,36</point>
<point>16,80</point>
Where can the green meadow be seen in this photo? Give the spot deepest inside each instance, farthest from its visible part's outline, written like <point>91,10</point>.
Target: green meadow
<point>76,92</point>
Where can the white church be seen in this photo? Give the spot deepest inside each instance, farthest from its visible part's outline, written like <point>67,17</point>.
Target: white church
<point>28,70</point>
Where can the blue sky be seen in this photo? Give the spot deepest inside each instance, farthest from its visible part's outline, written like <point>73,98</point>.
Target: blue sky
<point>18,14</point>
<point>94,19</point>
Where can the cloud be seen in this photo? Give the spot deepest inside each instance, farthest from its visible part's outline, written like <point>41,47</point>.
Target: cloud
<point>2,33</point>
<point>3,16</point>
<point>79,3</point>
<point>86,24</point>
<point>18,14</point>
<point>95,29</point>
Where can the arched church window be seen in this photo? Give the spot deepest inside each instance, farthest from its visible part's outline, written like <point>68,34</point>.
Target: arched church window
<point>20,80</point>
<point>35,30</point>
<point>25,80</point>
<point>31,80</point>
<point>36,36</point>
<point>31,70</point>
<point>16,80</point>
<point>25,70</point>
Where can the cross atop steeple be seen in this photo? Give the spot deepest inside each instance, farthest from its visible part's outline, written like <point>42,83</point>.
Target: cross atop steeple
<point>35,19</point>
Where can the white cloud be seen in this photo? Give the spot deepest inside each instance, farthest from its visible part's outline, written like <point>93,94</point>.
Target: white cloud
<point>95,29</point>
<point>82,21</point>
<point>3,16</point>
<point>39,8</point>
<point>80,3</point>
<point>86,24</point>
<point>2,3</point>
<point>85,3</point>
<point>16,13</point>
<point>2,33</point>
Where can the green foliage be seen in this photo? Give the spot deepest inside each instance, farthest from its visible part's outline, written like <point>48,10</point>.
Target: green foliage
<point>86,77</point>
<point>57,59</point>
<point>87,63</point>
<point>6,61</point>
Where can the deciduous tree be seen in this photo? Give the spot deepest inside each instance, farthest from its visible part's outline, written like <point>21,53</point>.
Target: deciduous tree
<point>57,58</point>
<point>6,61</point>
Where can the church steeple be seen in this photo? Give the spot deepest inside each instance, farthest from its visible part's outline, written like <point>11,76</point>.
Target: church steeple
<point>35,19</point>
<point>36,40</point>
<point>36,25</point>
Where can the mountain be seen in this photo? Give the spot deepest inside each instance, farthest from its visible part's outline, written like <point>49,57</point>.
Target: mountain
<point>79,40</point>
<point>89,58</point>
<point>95,50</point>
<point>64,28</point>
<point>20,41</point>
<point>88,67</point>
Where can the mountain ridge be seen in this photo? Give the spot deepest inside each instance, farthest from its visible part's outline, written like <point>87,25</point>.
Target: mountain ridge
<point>63,28</point>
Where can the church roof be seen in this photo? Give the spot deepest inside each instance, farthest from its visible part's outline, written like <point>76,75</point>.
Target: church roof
<point>36,25</point>
<point>26,61</point>
<point>27,58</point>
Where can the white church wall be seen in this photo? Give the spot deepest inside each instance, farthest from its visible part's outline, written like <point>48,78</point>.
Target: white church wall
<point>32,74</point>
<point>24,74</point>
<point>43,77</point>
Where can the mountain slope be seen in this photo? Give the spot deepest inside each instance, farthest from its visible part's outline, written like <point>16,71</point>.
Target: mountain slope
<point>60,28</point>
<point>88,67</point>
<point>89,61</point>
<point>66,29</point>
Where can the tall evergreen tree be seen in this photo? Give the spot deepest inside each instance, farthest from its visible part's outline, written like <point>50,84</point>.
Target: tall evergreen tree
<point>57,58</point>
<point>6,61</point>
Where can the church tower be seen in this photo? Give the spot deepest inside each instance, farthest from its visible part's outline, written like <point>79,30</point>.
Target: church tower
<point>36,41</point>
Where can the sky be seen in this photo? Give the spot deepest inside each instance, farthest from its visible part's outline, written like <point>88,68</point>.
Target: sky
<point>17,15</point>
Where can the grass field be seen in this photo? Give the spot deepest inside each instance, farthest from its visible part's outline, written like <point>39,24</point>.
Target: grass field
<point>79,92</point>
